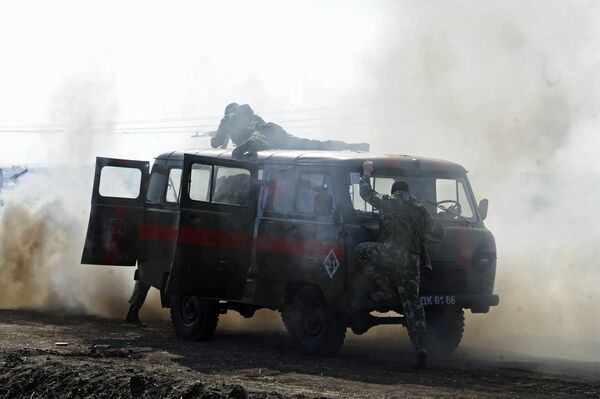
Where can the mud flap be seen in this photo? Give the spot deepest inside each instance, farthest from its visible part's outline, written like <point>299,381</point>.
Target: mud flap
<point>116,212</point>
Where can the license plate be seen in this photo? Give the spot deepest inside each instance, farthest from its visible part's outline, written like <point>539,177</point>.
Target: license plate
<point>430,300</point>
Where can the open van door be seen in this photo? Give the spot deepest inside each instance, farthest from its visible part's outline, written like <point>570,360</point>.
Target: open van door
<point>116,213</point>
<point>216,225</point>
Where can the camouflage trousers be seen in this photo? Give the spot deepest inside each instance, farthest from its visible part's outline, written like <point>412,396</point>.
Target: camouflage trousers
<point>396,273</point>
<point>140,290</point>
<point>255,144</point>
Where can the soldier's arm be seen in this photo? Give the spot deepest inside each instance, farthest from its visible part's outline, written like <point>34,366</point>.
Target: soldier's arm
<point>433,228</point>
<point>256,142</point>
<point>367,193</point>
<point>221,138</point>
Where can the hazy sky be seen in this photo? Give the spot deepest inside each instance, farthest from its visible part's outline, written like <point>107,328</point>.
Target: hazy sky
<point>145,61</point>
<point>475,82</point>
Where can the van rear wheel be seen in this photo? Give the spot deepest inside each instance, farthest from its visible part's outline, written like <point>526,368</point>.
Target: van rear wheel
<point>316,330</point>
<point>194,318</point>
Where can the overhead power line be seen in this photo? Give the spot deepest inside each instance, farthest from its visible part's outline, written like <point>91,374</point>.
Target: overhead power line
<point>158,126</point>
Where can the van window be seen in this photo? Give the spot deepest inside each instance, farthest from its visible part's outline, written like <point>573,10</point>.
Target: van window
<point>311,187</point>
<point>453,191</point>
<point>200,182</point>
<point>382,185</point>
<point>156,187</point>
<point>120,182</point>
<point>231,186</point>
<point>173,185</point>
<point>280,190</point>
<point>427,189</point>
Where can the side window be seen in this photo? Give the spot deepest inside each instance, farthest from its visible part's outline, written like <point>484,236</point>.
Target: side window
<point>280,190</point>
<point>464,201</point>
<point>315,194</point>
<point>200,182</point>
<point>120,182</point>
<point>173,185</point>
<point>231,186</point>
<point>156,187</point>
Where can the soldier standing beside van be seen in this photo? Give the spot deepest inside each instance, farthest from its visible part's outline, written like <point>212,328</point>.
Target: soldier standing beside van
<point>250,133</point>
<point>394,262</point>
<point>140,291</point>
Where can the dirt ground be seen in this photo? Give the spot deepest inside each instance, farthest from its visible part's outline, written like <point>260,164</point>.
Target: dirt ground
<point>238,363</point>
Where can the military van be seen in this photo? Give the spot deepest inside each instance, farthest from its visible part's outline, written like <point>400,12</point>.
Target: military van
<point>278,231</point>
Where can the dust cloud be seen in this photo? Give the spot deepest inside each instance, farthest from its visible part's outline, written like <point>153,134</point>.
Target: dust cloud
<point>510,91</point>
<point>44,218</point>
<point>31,243</point>
<point>42,230</point>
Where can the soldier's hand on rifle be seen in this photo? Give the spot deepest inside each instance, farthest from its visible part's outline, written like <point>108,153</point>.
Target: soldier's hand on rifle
<point>368,168</point>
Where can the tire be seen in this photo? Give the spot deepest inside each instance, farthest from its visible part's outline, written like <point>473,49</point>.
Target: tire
<point>194,318</point>
<point>445,328</point>
<point>315,329</point>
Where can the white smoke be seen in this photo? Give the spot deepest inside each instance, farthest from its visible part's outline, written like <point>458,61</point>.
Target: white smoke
<point>44,219</point>
<point>510,90</point>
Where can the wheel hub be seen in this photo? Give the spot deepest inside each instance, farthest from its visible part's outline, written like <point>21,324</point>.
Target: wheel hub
<point>312,322</point>
<point>189,310</point>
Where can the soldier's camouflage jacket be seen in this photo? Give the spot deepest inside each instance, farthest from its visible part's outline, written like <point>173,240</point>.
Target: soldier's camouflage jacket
<point>404,220</point>
<point>250,133</point>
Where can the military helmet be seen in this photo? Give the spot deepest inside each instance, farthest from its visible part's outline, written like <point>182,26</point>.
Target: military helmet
<point>231,108</point>
<point>400,186</point>
<point>244,109</point>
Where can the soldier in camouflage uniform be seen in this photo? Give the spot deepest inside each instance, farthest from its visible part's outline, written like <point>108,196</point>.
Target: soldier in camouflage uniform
<point>250,133</point>
<point>394,262</point>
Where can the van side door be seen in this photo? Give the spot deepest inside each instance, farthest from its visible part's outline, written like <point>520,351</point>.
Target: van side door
<point>217,211</point>
<point>299,239</point>
<point>116,212</point>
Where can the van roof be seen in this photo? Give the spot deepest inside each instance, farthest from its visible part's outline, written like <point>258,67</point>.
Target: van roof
<point>349,158</point>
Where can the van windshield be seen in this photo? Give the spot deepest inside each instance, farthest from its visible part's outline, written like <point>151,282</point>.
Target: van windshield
<point>444,198</point>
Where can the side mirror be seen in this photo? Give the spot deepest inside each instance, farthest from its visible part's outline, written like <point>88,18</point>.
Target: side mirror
<point>483,208</point>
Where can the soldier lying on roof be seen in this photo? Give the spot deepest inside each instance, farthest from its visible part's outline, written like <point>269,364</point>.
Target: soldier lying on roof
<point>250,133</point>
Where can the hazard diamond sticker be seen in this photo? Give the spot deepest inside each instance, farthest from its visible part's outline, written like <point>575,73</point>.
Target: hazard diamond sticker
<point>331,263</point>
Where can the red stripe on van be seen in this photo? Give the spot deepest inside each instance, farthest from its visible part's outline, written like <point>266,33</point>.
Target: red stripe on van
<point>296,247</point>
<point>464,245</point>
<point>158,232</point>
<point>214,238</point>
<point>115,243</point>
<point>232,239</point>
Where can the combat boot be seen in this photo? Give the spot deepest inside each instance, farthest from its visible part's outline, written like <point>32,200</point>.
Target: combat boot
<point>421,359</point>
<point>133,317</point>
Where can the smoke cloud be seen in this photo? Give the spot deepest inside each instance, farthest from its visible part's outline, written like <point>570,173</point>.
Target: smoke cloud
<point>509,90</point>
<point>44,220</point>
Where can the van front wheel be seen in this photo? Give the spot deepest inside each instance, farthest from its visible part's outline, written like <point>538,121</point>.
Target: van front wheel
<point>194,318</point>
<point>316,330</point>
<point>445,327</point>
